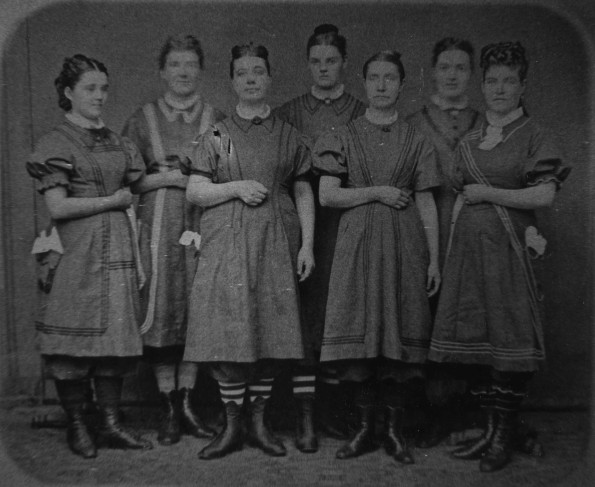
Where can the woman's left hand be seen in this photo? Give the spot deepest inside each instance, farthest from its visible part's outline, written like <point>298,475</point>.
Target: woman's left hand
<point>475,193</point>
<point>305,263</point>
<point>434,280</point>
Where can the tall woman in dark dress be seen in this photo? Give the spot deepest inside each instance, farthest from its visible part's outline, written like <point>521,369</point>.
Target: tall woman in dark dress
<point>326,107</point>
<point>90,323</point>
<point>445,119</point>
<point>163,131</point>
<point>378,321</point>
<point>244,317</point>
<point>488,315</point>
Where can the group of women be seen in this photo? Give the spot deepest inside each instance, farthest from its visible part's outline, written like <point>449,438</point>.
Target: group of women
<point>312,238</point>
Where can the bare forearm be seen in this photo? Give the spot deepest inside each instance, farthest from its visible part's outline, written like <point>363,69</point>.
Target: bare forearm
<point>68,208</point>
<point>331,194</point>
<point>540,196</point>
<point>304,200</point>
<point>152,182</point>
<point>209,194</point>
<point>429,217</point>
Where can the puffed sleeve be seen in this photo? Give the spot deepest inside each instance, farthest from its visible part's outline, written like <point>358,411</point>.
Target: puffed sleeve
<point>544,161</point>
<point>136,164</point>
<point>302,168</point>
<point>205,154</point>
<point>51,164</point>
<point>427,172</point>
<point>329,155</point>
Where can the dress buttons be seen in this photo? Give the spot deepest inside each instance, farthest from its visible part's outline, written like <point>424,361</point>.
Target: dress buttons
<point>327,101</point>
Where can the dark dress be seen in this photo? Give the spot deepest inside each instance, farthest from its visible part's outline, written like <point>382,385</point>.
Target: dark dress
<point>312,117</point>
<point>244,305</point>
<point>486,314</point>
<point>93,307</point>
<point>166,300</point>
<point>445,128</point>
<point>377,304</point>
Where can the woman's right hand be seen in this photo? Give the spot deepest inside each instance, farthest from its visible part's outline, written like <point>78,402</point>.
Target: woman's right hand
<point>392,196</point>
<point>251,192</point>
<point>121,199</point>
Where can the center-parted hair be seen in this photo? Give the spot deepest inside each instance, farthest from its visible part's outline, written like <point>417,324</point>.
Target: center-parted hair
<point>249,50</point>
<point>452,44</point>
<point>327,35</point>
<point>511,54</point>
<point>388,56</point>
<point>73,69</point>
<point>181,43</point>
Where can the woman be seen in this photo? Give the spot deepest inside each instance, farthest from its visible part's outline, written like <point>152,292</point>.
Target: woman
<point>244,309</point>
<point>164,130</point>
<point>377,324</point>
<point>445,120</point>
<point>488,313</point>
<point>89,327</point>
<point>326,107</point>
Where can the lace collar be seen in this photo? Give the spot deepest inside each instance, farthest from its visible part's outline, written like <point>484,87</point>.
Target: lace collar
<point>172,109</point>
<point>327,96</point>
<point>83,122</point>
<point>379,119</point>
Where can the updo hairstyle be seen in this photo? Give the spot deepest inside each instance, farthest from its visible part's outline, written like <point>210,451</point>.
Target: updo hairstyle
<point>327,35</point>
<point>511,54</point>
<point>72,70</point>
<point>387,56</point>
<point>452,44</point>
<point>181,43</point>
<point>249,50</point>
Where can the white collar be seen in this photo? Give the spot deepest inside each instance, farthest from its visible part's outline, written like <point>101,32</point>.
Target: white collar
<point>380,119</point>
<point>172,108</point>
<point>249,114</point>
<point>324,95</point>
<point>493,135</point>
<point>83,122</point>
<point>496,121</point>
<point>447,105</point>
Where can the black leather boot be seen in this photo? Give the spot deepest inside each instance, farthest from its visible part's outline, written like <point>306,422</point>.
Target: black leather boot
<point>77,435</point>
<point>305,439</point>
<point>190,422</point>
<point>499,453</point>
<point>394,441</point>
<point>476,448</point>
<point>112,435</point>
<point>363,439</point>
<point>231,437</point>
<point>169,429</point>
<point>259,434</point>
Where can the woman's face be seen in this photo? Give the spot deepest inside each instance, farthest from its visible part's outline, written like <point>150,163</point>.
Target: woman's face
<point>251,80</point>
<point>326,65</point>
<point>452,73</point>
<point>182,73</point>
<point>383,84</point>
<point>88,95</point>
<point>502,89</point>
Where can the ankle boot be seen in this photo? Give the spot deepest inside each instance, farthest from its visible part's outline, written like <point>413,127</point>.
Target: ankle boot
<point>169,429</point>
<point>363,439</point>
<point>305,439</point>
<point>332,410</point>
<point>499,452</point>
<point>191,422</point>
<point>77,435</point>
<point>112,435</point>
<point>231,437</point>
<point>476,448</point>
<point>394,442</point>
<point>259,434</point>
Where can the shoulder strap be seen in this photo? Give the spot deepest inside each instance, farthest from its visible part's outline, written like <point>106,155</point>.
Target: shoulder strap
<point>151,116</point>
